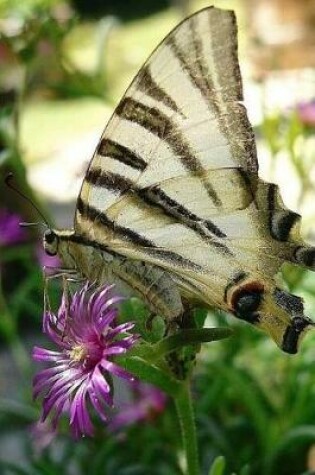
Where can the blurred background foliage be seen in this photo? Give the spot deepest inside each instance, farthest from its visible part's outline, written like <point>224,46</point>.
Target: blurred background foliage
<point>63,66</point>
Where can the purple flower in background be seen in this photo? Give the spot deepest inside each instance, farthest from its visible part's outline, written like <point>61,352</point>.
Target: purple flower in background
<point>42,435</point>
<point>147,402</point>
<point>87,337</point>
<point>10,230</point>
<point>306,112</point>
<point>44,259</point>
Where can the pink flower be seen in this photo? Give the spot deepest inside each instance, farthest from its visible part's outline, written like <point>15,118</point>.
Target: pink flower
<point>147,402</point>
<point>87,338</point>
<point>10,229</point>
<point>306,112</point>
<point>42,435</point>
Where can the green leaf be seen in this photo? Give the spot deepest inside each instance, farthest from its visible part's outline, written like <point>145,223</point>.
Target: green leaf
<point>151,330</point>
<point>245,470</point>
<point>304,434</point>
<point>12,469</point>
<point>13,408</point>
<point>218,466</point>
<point>150,374</point>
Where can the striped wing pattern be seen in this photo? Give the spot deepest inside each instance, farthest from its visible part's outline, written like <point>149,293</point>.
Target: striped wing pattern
<point>174,180</point>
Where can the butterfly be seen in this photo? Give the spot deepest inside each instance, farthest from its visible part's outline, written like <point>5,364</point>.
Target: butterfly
<point>172,207</point>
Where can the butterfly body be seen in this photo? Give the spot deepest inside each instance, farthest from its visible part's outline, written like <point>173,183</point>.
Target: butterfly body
<point>172,206</point>
<point>131,277</point>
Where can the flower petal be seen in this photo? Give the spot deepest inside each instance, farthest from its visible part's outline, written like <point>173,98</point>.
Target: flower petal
<point>116,370</point>
<point>79,415</point>
<point>41,354</point>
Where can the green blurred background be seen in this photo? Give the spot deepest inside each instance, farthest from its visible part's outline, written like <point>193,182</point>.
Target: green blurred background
<point>63,67</point>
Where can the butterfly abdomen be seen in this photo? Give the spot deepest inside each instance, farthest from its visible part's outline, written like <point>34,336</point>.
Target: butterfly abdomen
<point>132,277</point>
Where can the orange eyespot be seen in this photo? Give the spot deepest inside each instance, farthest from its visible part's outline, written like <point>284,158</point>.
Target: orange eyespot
<point>252,287</point>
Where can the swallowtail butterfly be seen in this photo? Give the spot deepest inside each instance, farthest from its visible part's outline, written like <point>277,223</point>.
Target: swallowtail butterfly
<point>172,207</point>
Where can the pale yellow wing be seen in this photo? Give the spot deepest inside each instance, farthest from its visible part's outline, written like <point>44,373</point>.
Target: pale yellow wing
<point>174,178</point>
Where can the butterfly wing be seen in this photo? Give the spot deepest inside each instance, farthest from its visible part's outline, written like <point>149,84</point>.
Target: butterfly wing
<point>174,181</point>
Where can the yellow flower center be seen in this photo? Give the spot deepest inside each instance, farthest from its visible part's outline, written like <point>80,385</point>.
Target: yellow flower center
<point>78,353</point>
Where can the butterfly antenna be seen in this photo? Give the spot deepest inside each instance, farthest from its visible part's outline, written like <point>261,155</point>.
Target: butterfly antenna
<point>8,181</point>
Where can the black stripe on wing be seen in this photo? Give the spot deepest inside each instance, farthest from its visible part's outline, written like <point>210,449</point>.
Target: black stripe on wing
<point>159,124</point>
<point>197,80</point>
<point>202,74</point>
<point>146,84</point>
<point>93,214</point>
<point>116,151</point>
<point>205,228</point>
<point>109,180</point>
<point>148,247</point>
<point>154,196</point>
<point>280,222</point>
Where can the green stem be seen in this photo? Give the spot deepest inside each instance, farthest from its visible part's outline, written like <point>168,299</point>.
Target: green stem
<point>185,412</point>
<point>190,337</point>
<point>9,332</point>
<point>7,323</point>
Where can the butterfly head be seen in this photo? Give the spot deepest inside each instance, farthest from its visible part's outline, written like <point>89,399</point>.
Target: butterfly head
<point>277,312</point>
<point>62,242</point>
<point>51,242</point>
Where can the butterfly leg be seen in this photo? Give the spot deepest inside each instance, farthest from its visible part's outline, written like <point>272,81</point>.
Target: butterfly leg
<point>47,277</point>
<point>50,273</point>
<point>66,293</point>
<point>182,361</point>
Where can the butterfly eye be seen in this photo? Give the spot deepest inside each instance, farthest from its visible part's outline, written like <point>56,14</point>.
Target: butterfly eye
<point>246,302</point>
<point>50,242</point>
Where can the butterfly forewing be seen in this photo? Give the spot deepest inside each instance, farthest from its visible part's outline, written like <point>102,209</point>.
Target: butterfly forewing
<point>178,138</point>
